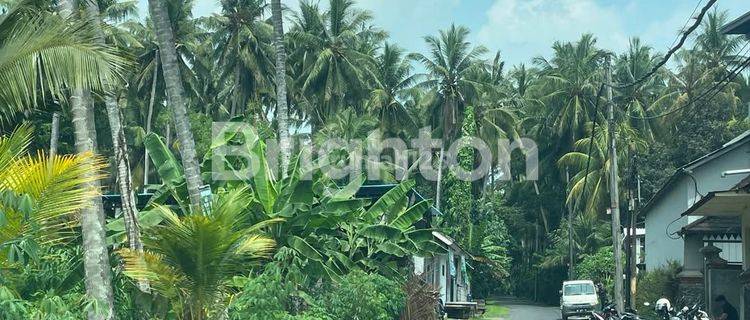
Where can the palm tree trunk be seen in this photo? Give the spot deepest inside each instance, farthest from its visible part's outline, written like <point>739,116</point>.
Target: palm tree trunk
<point>149,117</point>
<point>54,134</point>
<point>97,278</point>
<point>236,91</point>
<point>91,115</point>
<point>120,146</point>
<point>176,96</point>
<point>438,190</point>
<point>95,256</point>
<point>281,99</point>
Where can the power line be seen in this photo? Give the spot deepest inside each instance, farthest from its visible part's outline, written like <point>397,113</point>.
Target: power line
<point>585,180</point>
<point>695,9</point>
<point>714,90</point>
<point>591,145</point>
<point>673,50</point>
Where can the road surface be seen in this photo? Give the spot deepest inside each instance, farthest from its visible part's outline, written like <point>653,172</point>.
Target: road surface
<point>523,310</point>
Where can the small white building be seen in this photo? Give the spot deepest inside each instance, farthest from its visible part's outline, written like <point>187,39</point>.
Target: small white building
<point>447,272</point>
<point>639,234</point>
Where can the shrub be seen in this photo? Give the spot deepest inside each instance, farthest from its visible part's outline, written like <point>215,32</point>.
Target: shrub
<point>363,296</point>
<point>599,267</point>
<point>656,284</point>
<point>264,297</point>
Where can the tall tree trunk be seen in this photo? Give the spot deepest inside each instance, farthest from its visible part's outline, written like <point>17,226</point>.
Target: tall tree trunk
<point>439,183</point>
<point>54,134</point>
<point>120,146</point>
<point>235,92</point>
<point>88,102</point>
<point>281,99</point>
<point>149,117</point>
<point>95,256</point>
<point>97,278</point>
<point>176,97</point>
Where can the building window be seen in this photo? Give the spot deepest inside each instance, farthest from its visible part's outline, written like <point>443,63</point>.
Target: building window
<point>442,270</point>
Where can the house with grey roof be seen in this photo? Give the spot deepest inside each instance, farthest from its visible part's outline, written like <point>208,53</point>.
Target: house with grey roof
<point>663,213</point>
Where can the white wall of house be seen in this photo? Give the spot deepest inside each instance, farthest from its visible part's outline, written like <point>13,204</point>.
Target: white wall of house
<point>443,278</point>
<point>660,248</point>
<point>664,218</point>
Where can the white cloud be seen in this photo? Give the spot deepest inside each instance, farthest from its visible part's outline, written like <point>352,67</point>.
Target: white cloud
<point>526,28</point>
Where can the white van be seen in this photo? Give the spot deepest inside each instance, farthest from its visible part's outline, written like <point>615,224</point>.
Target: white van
<point>578,298</point>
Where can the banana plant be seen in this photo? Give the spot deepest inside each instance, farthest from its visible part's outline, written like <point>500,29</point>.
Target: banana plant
<point>324,223</point>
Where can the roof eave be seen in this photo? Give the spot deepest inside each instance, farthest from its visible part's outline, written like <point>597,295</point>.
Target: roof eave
<point>729,146</point>
<point>740,25</point>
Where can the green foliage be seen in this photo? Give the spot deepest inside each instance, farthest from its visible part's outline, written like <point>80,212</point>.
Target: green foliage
<point>657,284</point>
<point>190,257</point>
<point>41,53</point>
<point>264,297</point>
<point>344,80</point>
<point>364,296</point>
<point>598,267</point>
<point>268,297</point>
<point>491,276</point>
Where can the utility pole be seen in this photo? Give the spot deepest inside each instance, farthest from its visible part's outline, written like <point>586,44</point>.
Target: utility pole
<point>634,195</point>
<point>614,193</point>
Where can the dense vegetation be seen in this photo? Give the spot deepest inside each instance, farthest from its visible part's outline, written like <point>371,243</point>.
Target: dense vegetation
<point>126,103</point>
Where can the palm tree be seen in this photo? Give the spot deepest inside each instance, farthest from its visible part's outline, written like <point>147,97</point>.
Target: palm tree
<point>639,100</point>
<point>718,51</point>
<point>36,44</point>
<point>282,110</point>
<point>119,144</point>
<point>571,76</point>
<point>242,49</point>
<point>334,70</point>
<point>41,44</point>
<point>495,112</point>
<point>177,98</point>
<point>393,74</point>
<point>42,195</point>
<point>448,65</point>
<point>191,257</point>
<point>590,164</point>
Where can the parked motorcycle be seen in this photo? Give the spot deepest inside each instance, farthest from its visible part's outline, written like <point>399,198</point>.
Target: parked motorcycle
<point>609,312</point>
<point>693,313</point>
<point>665,311</point>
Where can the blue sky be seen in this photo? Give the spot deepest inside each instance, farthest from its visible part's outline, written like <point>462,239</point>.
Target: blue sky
<point>523,29</point>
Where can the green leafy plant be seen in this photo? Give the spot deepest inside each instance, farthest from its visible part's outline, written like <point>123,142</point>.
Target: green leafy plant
<point>361,296</point>
<point>190,258</point>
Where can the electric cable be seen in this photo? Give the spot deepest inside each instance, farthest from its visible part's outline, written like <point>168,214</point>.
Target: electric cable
<point>673,50</point>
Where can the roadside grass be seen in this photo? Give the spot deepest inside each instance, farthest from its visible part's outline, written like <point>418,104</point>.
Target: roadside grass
<point>494,311</point>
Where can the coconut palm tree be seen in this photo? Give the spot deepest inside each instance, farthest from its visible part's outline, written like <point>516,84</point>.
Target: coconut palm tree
<point>393,74</point>
<point>68,55</point>
<point>119,144</point>
<point>639,100</point>
<point>496,111</point>
<point>334,70</point>
<point>589,164</point>
<point>282,110</point>
<point>191,257</point>
<point>571,77</point>
<point>449,63</point>
<point>177,98</point>
<point>34,43</point>
<point>242,50</point>
<point>718,50</point>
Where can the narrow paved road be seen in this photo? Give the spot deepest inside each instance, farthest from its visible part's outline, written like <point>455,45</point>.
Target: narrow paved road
<point>523,310</point>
